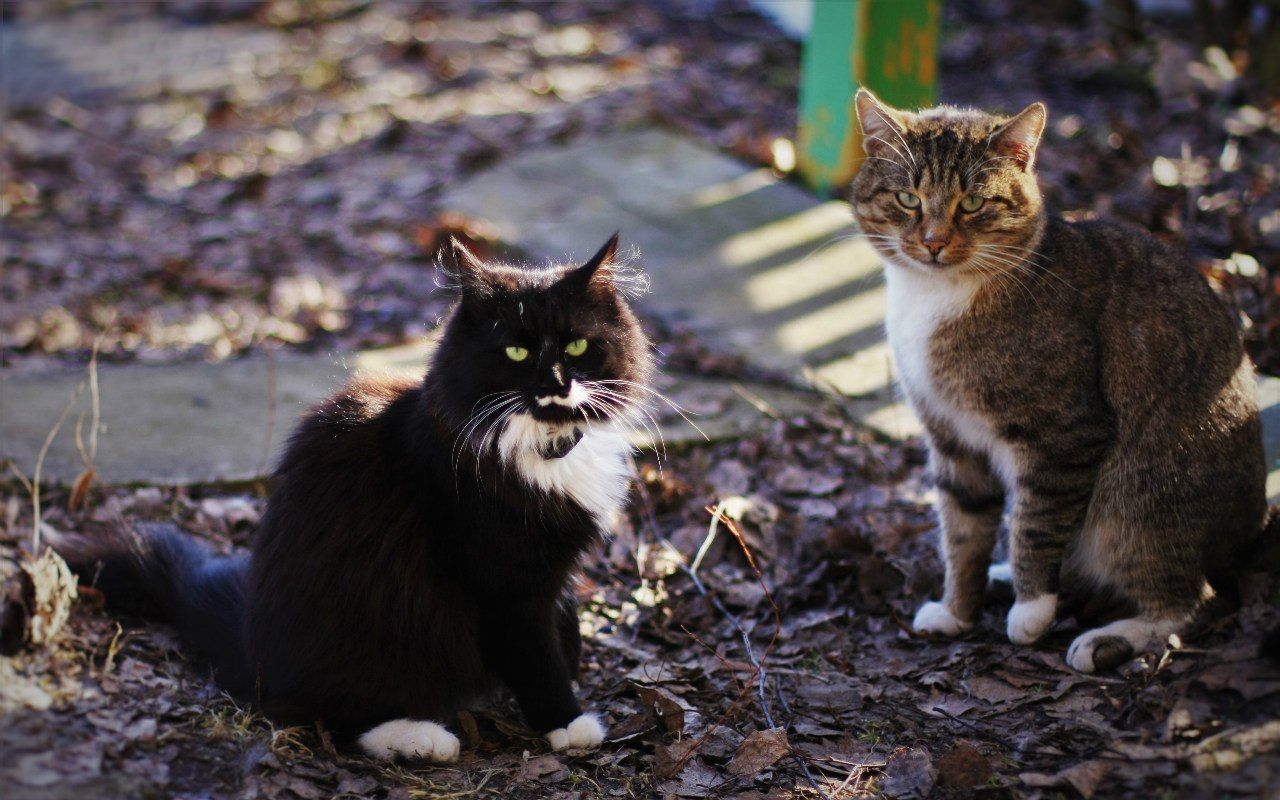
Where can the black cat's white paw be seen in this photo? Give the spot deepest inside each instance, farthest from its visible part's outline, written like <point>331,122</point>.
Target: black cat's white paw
<point>411,738</point>
<point>584,733</point>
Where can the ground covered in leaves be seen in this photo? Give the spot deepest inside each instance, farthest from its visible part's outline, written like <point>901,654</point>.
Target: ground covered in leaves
<point>852,704</point>
<point>298,206</point>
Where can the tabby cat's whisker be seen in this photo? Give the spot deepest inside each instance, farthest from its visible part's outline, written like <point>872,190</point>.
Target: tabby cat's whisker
<point>891,146</point>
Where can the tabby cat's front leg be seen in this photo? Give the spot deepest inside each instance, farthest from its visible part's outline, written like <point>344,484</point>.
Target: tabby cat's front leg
<point>970,504</point>
<point>1048,513</point>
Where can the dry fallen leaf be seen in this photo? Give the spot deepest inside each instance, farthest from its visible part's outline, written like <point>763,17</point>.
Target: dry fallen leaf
<point>542,768</point>
<point>667,710</point>
<point>47,591</point>
<point>964,767</point>
<point>909,774</point>
<point>80,489</point>
<point>759,751</point>
<point>1084,777</point>
<point>672,758</point>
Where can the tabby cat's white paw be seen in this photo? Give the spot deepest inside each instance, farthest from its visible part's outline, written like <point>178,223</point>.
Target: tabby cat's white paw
<point>1001,572</point>
<point>1111,645</point>
<point>1080,653</point>
<point>1029,619</point>
<point>933,617</point>
<point>411,738</point>
<point>584,733</point>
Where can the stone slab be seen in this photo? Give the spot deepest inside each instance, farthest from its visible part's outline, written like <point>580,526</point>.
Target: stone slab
<point>211,423</point>
<point>93,55</point>
<point>165,424</point>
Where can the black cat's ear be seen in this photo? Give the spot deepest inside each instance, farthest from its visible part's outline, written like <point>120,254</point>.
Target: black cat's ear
<point>464,264</point>
<point>883,128</point>
<point>596,273</point>
<point>1017,139</point>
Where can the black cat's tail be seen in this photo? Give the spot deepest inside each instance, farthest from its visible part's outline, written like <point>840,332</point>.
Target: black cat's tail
<point>160,572</point>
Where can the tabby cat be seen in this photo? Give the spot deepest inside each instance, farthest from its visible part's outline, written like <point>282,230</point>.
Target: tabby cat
<point>418,547</point>
<point>1080,377</point>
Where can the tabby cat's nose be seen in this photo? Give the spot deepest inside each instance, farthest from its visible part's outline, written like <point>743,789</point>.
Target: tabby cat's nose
<point>935,242</point>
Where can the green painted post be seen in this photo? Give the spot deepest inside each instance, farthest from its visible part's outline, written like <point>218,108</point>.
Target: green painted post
<point>889,46</point>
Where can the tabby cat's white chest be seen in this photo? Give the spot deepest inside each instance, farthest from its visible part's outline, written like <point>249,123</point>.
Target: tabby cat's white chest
<point>917,305</point>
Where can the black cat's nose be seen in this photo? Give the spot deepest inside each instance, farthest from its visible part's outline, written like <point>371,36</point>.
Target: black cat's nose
<point>553,382</point>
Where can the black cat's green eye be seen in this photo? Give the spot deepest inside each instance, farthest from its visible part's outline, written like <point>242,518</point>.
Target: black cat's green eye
<point>517,353</point>
<point>971,203</point>
<point>576,348</point>
<point>908,200</point>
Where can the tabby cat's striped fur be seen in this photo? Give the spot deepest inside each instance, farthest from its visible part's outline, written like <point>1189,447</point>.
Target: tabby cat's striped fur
<point>1081,377</point>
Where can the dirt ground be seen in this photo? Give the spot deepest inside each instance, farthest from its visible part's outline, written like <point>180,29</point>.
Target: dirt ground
<point>326,240</point>
<point>840,529</point>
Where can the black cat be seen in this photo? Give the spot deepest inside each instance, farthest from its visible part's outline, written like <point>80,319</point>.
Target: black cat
<point>421,539</point>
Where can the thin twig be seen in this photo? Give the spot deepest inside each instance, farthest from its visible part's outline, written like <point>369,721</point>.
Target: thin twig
<point>760,674</point>
<point>88,454</point>
<point>44,451</point>
<point>95,399</point>
<point>271,408</point>
<point>17,473</point>
<point>773,640</point>
<point>33,486</point>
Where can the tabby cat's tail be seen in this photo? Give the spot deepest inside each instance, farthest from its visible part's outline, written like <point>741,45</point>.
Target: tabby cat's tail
<point>157,571</point>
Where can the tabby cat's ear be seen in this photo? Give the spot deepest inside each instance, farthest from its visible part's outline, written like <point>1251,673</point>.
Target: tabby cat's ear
<point>882,127</point>
<point>1017,139</point>
<point>595,274</point>
<point>466,266</point>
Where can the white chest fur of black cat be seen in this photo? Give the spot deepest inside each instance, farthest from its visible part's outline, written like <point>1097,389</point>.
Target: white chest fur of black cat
<point>593,474</point>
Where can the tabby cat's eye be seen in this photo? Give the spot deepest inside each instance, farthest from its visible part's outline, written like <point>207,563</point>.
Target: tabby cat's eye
<point>576,348</point>
<point>517,353</point>
<point>908,200</point>
<point>971,203</point>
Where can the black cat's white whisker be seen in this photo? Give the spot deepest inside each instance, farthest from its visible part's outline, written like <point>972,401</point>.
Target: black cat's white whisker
<point>629,409</point>
<point>673,405</point>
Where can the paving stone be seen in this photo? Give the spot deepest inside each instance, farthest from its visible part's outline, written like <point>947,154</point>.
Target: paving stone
<point>95,54</point>
<point>166,424</point>
<point>208,423</point>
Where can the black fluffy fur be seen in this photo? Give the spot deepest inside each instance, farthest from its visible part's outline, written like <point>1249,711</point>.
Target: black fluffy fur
<point>397,572</point>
